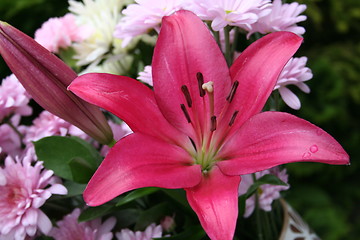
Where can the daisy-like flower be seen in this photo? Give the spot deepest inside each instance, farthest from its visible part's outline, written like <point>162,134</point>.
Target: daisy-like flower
<point>70,229</point>
<point>13,98</point>
<point>294,73</point>
<point>24,189</point>
<point>240,13</point>
<point>267,194</point>
<point>283,17</point>
<point>61,32</point>
<point>101,16</point>
<point>143,16</point>
<point>152,231</point>
<point>202,127</point>
<point>146,75</point>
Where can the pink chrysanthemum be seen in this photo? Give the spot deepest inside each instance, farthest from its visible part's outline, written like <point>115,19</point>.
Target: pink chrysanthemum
<point>47,124</point>
<point>283,17</point>
<point>24,189</point>
<point>152,231</point>
<point>10,141</point>
<point>268,192</point>
<point>70,229</point>
<point>13,98</point>
<point>60,32</point>
<point>295,73</point>
<point>240,13</point>
<point>143,16</point>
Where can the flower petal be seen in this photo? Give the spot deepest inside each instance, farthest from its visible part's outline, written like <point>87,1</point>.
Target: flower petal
<point>257,70</point>
<point>272,138</point>
<point>215,201</point>
<point>128,99</point>
<point>185,48</point>
<point>139,161</point>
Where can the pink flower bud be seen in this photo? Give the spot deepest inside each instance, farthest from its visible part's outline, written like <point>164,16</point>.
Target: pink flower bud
<point>45,77</point>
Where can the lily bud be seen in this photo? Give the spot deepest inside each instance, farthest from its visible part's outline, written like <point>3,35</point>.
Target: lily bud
<point>45,77</point>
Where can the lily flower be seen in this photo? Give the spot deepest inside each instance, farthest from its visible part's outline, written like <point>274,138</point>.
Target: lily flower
<point>45,77</point>
<point>202,126</point>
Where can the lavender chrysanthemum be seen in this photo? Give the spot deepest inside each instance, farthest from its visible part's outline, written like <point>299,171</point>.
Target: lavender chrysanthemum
<point>143,16</point>
<point>24,189</point>
<point>240,13</point>
<point>152,231</point>
<point>295,73</point>
<point>70,229</point>
<point>268,193</point>
<point>283,17</point>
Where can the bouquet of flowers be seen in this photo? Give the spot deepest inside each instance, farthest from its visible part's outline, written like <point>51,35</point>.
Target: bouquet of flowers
<point>193,148</point>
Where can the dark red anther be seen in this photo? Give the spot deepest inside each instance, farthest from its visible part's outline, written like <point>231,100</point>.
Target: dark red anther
<point>232,120</point>
<point>231,95</point>
<point>213,123</point>
<point>187,96</point>
<point>200,79</point>
<point>183,108</point>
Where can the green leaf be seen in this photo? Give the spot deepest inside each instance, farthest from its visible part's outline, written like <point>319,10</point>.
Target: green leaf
<point>193,233</point>
<point>138,193</point>
<point>74,189</point>
<point>61,154</point>
<point>153,214</point>
<point>95,212</point>
<point>81,170</point>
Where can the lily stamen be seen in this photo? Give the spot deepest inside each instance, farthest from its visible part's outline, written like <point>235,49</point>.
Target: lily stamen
<point>187,96</point>
<point>231,95</point>
<point>200,79</point>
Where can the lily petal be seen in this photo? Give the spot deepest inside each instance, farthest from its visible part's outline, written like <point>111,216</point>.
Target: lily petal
<point>185,48</point>
<point>272,138</point>
<point>257,70</point>
<point>138,161</point>
<point>128,99</point>
<point>215,201</point>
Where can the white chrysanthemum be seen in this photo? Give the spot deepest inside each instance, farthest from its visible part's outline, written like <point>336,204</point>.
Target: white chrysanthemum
<point>283,17</point>
<point>146,75</point>
<point>24,189</point>
<point>294,73</point>
<point>240,13</point>
<point>101,16</point>
<point>150,232</point>
<point>143,16</point>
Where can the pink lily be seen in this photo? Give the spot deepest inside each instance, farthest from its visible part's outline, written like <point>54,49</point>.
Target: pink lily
<point>201,127</point>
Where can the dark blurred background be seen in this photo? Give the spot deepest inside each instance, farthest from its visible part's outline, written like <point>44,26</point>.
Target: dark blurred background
<point>328,197</point>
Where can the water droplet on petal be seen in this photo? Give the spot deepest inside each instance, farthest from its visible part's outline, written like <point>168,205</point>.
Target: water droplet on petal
<point>314,149</point>
<point>306,155</point>
<point>319,132</point>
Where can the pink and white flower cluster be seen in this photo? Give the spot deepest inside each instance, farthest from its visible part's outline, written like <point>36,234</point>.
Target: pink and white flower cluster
<point>24,189</point>
<point>152,231</point>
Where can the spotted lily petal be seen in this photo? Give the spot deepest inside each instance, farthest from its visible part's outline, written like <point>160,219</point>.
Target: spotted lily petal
<point>46,78</point>
<point>272,138</point>
<point>139,161</point>
<point>215,201</point>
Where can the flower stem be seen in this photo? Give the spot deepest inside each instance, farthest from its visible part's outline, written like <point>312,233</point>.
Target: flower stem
<point>228,54</point>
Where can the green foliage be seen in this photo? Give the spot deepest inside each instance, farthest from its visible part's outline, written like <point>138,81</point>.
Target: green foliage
<point>69,157</point>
